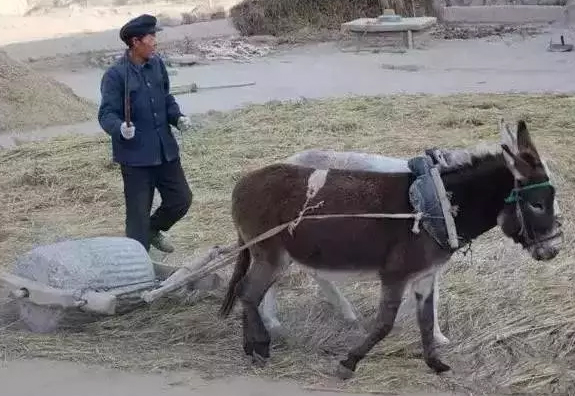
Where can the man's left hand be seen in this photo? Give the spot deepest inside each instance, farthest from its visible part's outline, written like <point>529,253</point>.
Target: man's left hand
<point>184,123</point>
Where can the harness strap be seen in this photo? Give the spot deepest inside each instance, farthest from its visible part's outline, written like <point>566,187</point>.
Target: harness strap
<point>225,254</point>
<point>452,237</point>
<point>277,229</point>
<point>514,197</point>
<point>514,194</point>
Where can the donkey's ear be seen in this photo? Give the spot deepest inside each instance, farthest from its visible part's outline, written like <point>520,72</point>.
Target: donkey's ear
<point>524,142</point>
<point>509,145</point>
<point>517,165</point>
<point>508,137</point>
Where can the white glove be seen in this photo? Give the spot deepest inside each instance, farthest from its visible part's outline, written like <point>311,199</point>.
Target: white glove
<point>127,132</point>
<point>184,123</point>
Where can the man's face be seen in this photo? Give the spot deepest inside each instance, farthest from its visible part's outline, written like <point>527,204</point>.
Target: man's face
<point>145,46</point>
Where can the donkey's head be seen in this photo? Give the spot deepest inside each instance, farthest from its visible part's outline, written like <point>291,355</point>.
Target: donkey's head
<point>530,215</point>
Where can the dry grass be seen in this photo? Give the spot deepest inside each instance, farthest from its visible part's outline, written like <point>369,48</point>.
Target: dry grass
<point>278,17</point>
<point>511,319</point>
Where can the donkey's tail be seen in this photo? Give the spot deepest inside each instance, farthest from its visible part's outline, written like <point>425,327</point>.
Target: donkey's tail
<point>242,266</point>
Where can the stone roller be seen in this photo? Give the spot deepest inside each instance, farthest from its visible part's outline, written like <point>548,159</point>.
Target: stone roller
<point>99,276</point>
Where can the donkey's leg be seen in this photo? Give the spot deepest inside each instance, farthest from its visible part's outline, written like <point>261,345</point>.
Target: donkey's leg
<point>335,297</point>
<point>438,336</point>
<point>266,267</point>
<point>424,295</point>
<point>390,300</point>
<point>268,310</point>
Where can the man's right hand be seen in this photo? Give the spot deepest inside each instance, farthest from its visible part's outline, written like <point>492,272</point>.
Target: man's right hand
<point>128,132</point>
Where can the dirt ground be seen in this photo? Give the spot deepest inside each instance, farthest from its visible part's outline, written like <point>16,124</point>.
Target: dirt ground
<point>70,379</point>
<point>507,64</point>
<point>495,64</point>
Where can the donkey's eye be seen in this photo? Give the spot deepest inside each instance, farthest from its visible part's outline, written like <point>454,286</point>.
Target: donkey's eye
<point>537,207</point>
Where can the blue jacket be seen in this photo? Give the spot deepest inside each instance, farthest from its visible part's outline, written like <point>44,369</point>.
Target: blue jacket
<point>153,109</point>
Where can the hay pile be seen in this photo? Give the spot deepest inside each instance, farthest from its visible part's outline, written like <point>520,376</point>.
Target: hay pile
<point>278,17</point>
<point>29,100</point>
<point>511,319</point>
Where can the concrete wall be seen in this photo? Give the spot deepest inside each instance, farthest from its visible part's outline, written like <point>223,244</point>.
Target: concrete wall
<point>20,7</point>
<point>504,14</point>
<point>476,3</point>
<point>13,7</point>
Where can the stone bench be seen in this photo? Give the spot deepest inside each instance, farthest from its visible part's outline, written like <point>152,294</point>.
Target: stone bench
<point>407,26</point>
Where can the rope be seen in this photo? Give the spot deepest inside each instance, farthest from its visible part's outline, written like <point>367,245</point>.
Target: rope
<point>228,251</point>
<point>302,213</point>
<point>221,262</point>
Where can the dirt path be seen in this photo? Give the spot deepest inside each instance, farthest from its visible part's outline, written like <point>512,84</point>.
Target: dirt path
<point>321,70</point>
<point>508,64</point>
<point>46,378</point>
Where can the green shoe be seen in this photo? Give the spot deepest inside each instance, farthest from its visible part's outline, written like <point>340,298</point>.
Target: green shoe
<point>161,241</point>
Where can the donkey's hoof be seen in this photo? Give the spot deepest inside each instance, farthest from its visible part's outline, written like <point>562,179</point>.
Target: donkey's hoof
<point>255,360</point>
<point>248,348</point>
<point>262,349</point>
<point>259,361</point>
<point>343,372</point>
<point>437,365</point>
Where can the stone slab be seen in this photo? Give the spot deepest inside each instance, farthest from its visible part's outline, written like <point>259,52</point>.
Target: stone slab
<point>372,25</point>
<point>183,60</point>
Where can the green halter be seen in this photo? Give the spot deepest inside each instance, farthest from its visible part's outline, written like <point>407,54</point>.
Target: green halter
<point>514,194</point>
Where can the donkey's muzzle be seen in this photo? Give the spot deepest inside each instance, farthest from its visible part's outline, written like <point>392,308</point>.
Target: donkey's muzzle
<point>548,248</point>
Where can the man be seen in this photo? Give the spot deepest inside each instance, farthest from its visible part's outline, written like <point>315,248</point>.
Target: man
<point>142,141</point>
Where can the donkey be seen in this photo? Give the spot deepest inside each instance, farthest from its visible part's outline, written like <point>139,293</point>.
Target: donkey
<point>507,186</point>
<point>329,159</point>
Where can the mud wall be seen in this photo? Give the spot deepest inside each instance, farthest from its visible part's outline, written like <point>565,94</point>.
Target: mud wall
<point>502,14</point>
<point>22,7</point>
<point>476,3</point>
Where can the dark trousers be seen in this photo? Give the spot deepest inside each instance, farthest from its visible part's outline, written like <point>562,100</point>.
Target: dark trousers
<point>139,185</point>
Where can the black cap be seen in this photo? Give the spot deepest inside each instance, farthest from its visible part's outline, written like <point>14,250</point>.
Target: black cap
<point>138,27</point>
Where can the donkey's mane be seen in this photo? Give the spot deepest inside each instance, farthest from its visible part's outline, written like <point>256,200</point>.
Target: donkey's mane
<point>462,159</point>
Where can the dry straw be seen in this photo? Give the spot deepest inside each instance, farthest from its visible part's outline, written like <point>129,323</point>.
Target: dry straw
<point>29,100</point>
<point>279,17</point>
<point>511,319</point>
